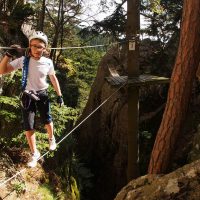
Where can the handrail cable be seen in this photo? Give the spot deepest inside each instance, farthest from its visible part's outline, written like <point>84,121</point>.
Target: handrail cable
<point>21,171</point>
<point>72,47</point>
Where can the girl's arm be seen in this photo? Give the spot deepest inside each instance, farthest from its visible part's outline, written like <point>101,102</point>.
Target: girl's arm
<point>5,67</point>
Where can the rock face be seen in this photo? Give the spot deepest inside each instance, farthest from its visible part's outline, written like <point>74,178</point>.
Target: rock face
<point>181,184</point>
<point>102,138</point>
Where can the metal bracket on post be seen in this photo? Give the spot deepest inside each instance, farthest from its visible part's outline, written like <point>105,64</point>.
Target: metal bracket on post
<point>132,43</point>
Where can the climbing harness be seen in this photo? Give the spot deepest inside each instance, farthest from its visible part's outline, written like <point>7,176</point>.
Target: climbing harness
<point>26,96</point>
<point>25,72</point>
<point>32,95</point>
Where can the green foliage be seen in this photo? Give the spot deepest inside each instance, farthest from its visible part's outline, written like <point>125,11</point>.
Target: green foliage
<point>78,72</point>
<point>21,12</point>
<point>145,135</point>
<point>19,139</point>
<point>42,142</point>
<point>10,101</point>
<point>156,7</point>
<point>112,26</point>
<point>19,187</point>
<point>9,117</point>
<point>74,189</point>
<point>14,13</point>
<point>63,116</point>
<point>83,176</point>
<point>69,66</point>
<point>163,18</point>
<point>46,192</point>
<point>77,177</point>
<point>12,83</point>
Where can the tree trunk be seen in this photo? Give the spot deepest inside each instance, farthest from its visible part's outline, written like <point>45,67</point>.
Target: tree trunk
<point>187,61</point>
<point>42,16</point>
<point>57,31</point>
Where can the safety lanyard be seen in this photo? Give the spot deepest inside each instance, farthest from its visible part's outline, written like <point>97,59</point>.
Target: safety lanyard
<point>25,72</point>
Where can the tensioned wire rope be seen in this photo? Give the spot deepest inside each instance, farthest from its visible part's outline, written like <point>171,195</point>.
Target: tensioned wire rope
<point>72,47</point>
<point>23,170</point>
<point>75,47</point>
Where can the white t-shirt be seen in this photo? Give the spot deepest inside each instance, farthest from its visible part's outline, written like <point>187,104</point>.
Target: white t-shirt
<point>37,72</point>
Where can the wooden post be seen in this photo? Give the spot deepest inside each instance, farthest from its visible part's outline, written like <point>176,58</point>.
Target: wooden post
<point>132,35</point>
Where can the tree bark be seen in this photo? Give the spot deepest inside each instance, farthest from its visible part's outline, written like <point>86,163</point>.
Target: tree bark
<point>183,74</point>
<point>42,16</point>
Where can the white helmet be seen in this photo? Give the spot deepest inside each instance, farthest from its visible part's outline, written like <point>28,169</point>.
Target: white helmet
<point>39,35</point>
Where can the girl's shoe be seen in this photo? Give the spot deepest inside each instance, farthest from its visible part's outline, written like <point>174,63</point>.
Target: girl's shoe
<point>34,159</point>
<point>52,144</point>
